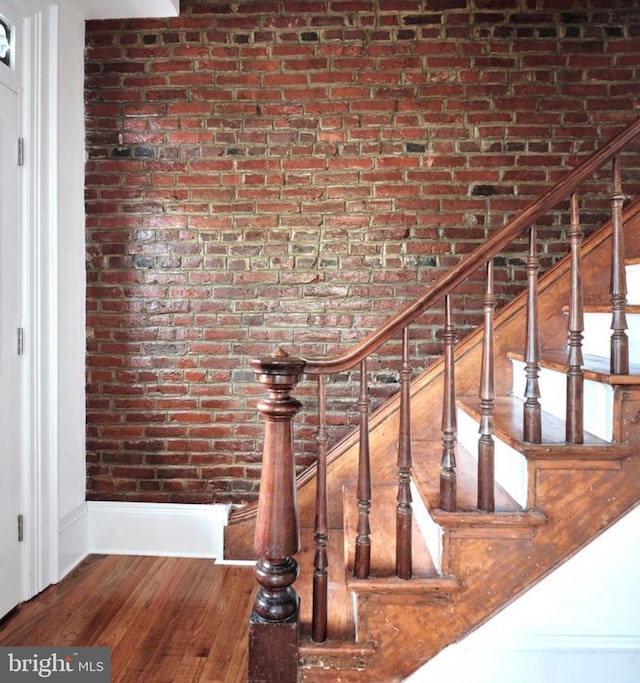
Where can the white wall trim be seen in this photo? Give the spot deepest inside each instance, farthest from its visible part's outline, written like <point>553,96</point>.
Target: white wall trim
<point>578,625</point>
<point>161,529</point>
<point>39,212</point>
<point>73,539</point>
<point>554,641</point>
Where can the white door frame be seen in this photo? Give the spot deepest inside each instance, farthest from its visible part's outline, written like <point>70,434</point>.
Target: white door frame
<point>41,230</point>
<point>37,81</point>
<point>10,321</point>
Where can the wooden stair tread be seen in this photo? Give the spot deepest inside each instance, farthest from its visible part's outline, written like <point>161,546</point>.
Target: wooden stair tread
<point>332,659</point>
<point>340,622</point>
<point>334,648</point>
<point>425,587</point>
<point>383,549</point>
<point>595,368</point>
<point>426,475</point>
<point>508,428</point>
<point>631,309</point>
<point>508,515</point>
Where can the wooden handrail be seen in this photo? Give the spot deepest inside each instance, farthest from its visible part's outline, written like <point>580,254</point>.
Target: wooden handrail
<point>467,266</point>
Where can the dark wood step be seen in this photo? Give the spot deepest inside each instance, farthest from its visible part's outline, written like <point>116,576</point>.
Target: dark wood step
<point>383,529</point>
<point>631,309</point>
<point>508,519</point>
<point>426,474</point>
<point>340,623</point>
<point>334,654</point>
<point>426,584</point>
<point>340,651</point>
<point>508,416</point>
<point>329,669</point>
<point>595,368</point>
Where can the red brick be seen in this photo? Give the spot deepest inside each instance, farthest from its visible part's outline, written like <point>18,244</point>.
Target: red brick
<point>283,192</point>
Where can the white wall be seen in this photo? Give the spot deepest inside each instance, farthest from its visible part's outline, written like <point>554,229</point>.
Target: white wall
<point>71,257</point>
<point>69,253</point>
<point>133,528</point>
<point>71,280</point>
<point>71,231</point>
<point>579,625</point>
<point>114,9</point>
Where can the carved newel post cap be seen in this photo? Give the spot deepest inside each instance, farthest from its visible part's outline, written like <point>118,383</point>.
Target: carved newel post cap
<point>278,365</point>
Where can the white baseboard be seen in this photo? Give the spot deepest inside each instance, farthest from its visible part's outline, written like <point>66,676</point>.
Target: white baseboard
<point>552,658</point>
<point>527,640</point>
<point>73,539</point>
<point>162,529</point>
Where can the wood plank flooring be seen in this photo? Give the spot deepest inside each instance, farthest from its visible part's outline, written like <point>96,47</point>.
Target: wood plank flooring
<point>166,620</point>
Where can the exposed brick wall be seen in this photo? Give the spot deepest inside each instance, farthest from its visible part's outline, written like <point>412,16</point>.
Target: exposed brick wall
<point>291,172</point>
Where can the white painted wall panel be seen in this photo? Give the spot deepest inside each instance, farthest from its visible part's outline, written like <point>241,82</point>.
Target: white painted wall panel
<point>579,625</point>
<point>127,9</point>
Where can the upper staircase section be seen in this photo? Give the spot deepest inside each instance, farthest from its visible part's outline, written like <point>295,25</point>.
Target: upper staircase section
<point>501,239</point>
<point>464,507</point>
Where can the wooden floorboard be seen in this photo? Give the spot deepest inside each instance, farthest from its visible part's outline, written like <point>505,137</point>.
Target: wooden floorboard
<point>166,620</point>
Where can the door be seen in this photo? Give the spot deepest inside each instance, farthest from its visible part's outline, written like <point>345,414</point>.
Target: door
<point>10,455</point>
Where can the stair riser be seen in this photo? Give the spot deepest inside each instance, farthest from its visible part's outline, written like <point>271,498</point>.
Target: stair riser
<point>510,465</point>
<point>633,284</point>
<point>430,530</point>
<point>597,335</point>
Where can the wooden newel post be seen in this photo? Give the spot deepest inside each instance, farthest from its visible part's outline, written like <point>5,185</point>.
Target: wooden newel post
<point>273,628</point>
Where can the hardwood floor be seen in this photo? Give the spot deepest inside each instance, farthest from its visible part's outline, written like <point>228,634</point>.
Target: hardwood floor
<point>166,620</point>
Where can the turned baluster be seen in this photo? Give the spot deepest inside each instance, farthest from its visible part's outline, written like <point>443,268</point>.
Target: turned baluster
<point>321,537</point>
<point>449,424</point>
<point>487,395</point>
<point>273,628</point>
<point>404,513</point>
<point>532,431</point>
<point>619,340</point>
<point>575,374</point>
<point>363,538</point>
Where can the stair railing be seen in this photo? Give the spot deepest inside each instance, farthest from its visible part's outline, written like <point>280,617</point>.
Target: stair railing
<point>404,513</point>
<point>575,375</point>
<point>275,570</point>
<point>532,410</point>
<point>486,444</point>
<point>618,288</point>
<point>448,483</point>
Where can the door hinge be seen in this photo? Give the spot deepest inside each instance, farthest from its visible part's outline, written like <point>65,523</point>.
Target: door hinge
<point>20,528</point>
<point>20,151</point>
<point>20,341</point>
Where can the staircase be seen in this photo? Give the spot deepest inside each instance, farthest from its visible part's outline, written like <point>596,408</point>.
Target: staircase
<point>474,482</point>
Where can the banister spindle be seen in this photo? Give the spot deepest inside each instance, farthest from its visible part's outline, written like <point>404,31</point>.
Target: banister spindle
<point>363,540</point>
<point>321,537</point>
<point>487,395</point>
<point>273,628</point>
<point>575,374</point>
<point>404,512</point>
<point>619,341</point>
<point>449,424</point>
<point>532,431</point>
